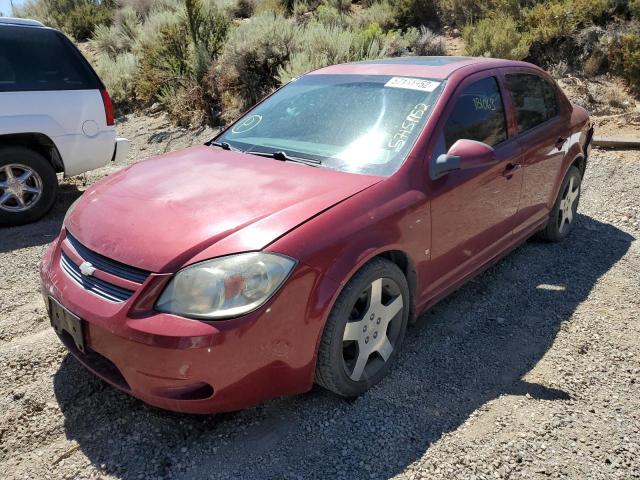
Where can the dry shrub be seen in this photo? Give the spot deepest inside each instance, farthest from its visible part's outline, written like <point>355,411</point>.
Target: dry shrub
<point>616,97</point>
<point>593,64</point>
<point>428,43</point>
<point>119,74</point>
<point>187,105</point>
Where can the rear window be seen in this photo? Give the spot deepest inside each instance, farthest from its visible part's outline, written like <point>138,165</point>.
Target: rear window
<point>534,99</point>
<point>35,59</point>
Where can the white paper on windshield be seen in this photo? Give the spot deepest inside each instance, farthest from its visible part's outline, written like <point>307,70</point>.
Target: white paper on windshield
<point>412,84</point>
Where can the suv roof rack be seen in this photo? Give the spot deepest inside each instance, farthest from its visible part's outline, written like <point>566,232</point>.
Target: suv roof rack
<point>20,21</point>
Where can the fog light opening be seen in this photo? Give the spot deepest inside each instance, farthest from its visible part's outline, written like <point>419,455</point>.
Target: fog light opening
<point>195,391</point>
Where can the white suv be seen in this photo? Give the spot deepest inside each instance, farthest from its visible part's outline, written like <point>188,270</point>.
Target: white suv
<point>55,117</point>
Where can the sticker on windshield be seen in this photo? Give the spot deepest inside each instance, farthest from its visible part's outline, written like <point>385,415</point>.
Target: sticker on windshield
<point>247,124</point>
<point>412,84</point>
<point>404,131</point>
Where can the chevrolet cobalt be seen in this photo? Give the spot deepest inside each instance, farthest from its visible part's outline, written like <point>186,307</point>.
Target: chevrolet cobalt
<point>298,244</point>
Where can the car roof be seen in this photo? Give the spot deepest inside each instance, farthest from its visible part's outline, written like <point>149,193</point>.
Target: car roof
<point>20,21</point>
<point>438,68</point>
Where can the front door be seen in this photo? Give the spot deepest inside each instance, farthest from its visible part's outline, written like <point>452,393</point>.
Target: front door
<point>473,211</point>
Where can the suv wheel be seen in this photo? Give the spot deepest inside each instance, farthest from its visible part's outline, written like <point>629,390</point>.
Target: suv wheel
<point>28,185</point>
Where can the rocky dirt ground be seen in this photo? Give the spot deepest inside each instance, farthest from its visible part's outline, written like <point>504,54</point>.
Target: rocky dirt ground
<point>530,371</point>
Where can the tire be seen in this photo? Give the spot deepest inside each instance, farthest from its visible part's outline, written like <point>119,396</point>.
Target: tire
<point>563,214</point>
<point>20,201</point>
<point>341,346</point>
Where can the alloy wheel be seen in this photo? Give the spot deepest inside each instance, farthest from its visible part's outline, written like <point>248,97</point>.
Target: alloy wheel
<point>568,204</point>
<point>374,326</point>
<point>20,187</point>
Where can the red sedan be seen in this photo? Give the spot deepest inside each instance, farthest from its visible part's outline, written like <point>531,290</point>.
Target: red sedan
<point>297,245</point>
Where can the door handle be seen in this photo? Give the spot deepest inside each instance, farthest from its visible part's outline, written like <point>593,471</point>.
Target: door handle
<point>560,142</point>
<point>510,169</point>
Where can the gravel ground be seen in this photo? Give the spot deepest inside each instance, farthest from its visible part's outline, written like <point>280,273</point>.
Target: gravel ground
<point>531,371</point>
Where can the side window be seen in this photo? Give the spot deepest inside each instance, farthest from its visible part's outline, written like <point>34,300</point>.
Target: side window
<point>534,99</point>
<point>35,58</point>
<point>477,115</point>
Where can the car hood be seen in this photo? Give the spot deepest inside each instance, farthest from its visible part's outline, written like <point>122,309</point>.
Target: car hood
<point>162,213</point>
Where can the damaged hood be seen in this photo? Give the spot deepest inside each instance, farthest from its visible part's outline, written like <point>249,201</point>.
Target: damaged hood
<point>160,213</point>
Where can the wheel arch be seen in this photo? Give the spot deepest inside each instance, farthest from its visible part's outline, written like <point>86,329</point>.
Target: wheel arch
<point>406,265</point>
<point>580,162</point>
<point>38,142</point>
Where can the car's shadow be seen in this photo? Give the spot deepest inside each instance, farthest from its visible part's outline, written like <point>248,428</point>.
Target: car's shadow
<point>469,349</point>
<point>44,230</point>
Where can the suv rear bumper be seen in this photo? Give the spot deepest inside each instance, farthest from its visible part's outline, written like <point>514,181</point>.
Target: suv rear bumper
<point>121,150</point>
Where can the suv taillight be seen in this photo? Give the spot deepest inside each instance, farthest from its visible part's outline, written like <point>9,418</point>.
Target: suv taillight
<point>108,106</point>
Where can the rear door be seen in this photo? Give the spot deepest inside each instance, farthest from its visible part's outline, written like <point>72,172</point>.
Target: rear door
<point>46,86</point>
<point>473,211</point>
<point>543,129</point>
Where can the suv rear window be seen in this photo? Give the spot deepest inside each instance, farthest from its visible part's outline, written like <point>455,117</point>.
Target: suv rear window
<point>36,58</point>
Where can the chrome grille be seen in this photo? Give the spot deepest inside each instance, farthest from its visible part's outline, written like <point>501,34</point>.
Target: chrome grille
<point>93,284</point>
<point>108,265</point>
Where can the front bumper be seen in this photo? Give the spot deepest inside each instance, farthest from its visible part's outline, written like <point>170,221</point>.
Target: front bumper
<point>195,366</point>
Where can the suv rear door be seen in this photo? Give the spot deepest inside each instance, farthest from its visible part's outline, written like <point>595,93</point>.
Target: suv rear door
<point>46,86</point>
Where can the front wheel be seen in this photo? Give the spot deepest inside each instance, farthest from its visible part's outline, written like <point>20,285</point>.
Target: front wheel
<point>28,186</point>
<point>563,214</point>
<point>364,330</point>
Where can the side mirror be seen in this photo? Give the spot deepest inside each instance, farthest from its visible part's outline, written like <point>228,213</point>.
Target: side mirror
<point>463,155</point>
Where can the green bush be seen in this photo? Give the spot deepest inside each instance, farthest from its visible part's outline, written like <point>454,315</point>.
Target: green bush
<point>249,61</point>
<point>77,18</point>
<point>496,36</point>
<point>547,21</point>
<point>342,6</point>
<point>119,37</point>
<point>634,8</point>
<point>165,62</point>
<point>625,58</point>
<point>208,29</point>
<point>381,13</point>
<point>331,16</point>
<point>414,12</point>
<point>461,12</point>
<point>321,46</point>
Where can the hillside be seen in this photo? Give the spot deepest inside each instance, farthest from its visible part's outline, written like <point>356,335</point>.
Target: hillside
<point>204,61</point>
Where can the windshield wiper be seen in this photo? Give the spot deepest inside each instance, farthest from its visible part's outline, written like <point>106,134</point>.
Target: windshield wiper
<point>284,157</point>
<point>225,146</point>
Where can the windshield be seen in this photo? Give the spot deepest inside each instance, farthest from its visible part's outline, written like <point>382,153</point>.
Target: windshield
<point>355,123</point>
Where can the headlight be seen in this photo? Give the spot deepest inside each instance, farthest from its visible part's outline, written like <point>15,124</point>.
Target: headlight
<point>225,287</point>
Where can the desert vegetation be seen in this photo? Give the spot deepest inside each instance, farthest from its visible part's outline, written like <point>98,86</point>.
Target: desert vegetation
<point>205,61</point>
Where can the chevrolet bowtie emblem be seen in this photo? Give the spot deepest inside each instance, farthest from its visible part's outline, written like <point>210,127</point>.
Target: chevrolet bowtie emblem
<point>87,269</point>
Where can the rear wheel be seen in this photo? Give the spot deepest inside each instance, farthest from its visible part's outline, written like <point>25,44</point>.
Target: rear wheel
<point>365,330</point>
<point>563,214</point>
<point>28,186</point>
